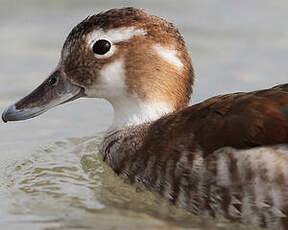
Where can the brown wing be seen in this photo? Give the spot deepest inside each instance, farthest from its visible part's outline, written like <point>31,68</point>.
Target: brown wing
<point>239,120</point>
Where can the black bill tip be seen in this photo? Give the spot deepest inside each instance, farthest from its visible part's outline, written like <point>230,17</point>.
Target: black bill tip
<point>3,118</point>
<point>7,112</point>
<point>13,114</point>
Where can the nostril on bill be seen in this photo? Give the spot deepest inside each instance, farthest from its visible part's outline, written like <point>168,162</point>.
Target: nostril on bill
<point>52,81</point>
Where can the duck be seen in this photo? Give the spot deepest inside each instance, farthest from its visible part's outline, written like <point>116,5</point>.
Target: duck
<point>226,156</point>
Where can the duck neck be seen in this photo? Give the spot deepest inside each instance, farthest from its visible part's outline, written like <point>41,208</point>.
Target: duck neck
<point>133,112</point>
<point>131,122</point>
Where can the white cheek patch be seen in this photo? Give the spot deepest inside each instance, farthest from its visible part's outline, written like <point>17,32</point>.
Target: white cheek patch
<point>113,36</point>
<point>110,83</point>
<point>129,109</point>
<point>113,75</point>
<point>169,55</point>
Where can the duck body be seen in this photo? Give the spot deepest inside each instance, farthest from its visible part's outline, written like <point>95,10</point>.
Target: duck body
<point>226,156</point>
<point>239,120</point>
<point>177,157</point>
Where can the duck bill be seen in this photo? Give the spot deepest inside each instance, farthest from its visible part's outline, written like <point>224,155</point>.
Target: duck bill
<point>55,90</point>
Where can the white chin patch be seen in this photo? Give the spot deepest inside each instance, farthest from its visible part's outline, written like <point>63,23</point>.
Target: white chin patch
<point>169,55</point>
<point>113,36</point>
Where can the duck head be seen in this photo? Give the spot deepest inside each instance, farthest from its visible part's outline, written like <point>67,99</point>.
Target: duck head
<point>136,61</point>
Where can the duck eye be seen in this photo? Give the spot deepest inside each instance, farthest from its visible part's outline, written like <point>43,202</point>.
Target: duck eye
<point>101,47</point>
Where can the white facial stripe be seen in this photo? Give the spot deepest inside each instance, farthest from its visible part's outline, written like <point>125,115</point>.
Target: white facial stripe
<point>169,55</point>
<point>115,35</point>
<point>124,33</point>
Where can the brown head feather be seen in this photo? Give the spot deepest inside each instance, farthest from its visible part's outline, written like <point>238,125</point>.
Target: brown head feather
<point>148,75</point>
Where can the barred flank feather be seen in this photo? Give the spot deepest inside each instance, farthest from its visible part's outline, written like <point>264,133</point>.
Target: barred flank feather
<point>248,186</point>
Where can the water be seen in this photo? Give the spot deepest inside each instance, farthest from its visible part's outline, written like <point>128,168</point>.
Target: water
<point>51,174</point>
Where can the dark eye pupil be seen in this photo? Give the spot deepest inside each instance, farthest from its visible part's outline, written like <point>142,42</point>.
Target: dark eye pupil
<point>101,47</point>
